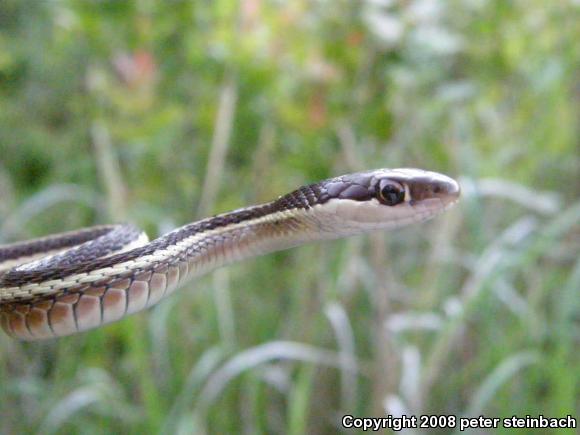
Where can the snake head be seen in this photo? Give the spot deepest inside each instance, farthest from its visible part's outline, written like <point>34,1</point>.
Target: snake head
<point>386,198</point>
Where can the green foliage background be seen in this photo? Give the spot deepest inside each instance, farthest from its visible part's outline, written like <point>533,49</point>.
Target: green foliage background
<point>160,112</point>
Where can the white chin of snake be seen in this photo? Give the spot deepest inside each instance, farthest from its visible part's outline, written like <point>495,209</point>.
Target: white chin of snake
<point>361,216</point>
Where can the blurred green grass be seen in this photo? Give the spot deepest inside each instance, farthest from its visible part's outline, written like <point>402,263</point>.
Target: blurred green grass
<point>115,111</point>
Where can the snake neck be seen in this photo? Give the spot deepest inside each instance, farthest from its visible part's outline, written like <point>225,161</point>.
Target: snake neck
<point>231,243</point>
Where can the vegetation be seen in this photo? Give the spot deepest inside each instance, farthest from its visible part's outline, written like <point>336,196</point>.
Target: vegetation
<point>159,113</point>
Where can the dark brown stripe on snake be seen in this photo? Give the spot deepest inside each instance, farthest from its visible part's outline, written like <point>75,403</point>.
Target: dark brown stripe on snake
<point>303,198</point>
<point>54,243</point>
<point>357,187</point>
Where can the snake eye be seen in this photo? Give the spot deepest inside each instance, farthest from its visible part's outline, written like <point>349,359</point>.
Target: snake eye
<point>391,194</point>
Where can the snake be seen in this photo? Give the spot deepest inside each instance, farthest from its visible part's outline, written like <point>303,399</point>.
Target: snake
<point>66,283</point>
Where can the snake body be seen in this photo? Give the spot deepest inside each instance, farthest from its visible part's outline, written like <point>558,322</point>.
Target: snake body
<point>72,282</point>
